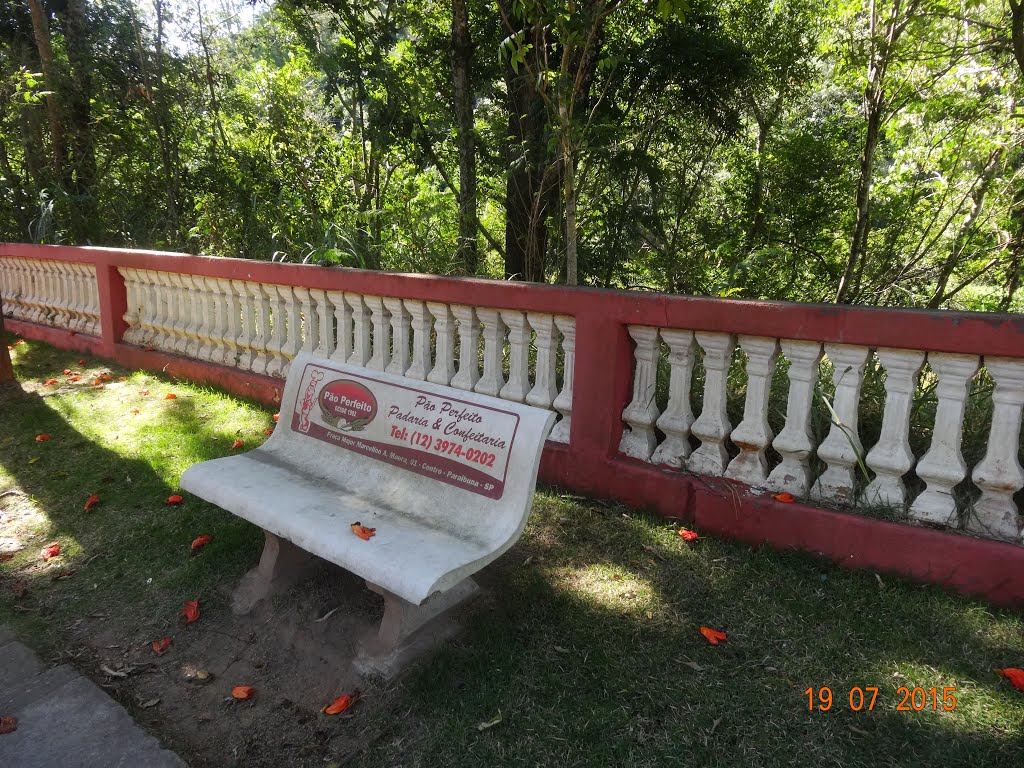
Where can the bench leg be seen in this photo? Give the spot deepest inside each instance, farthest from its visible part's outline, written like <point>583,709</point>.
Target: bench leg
<point>282,565</point>
<point>402,618</point>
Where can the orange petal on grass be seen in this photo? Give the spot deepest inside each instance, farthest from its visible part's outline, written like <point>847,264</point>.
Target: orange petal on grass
<point>268,432</point>
<point>82,361</point>
<point>134,411</point>
<point>190,612</point>
<point>200,541</point>
<point>106,377</point>
<point>243,692</point>
<point>76,377</point>
<point>363,532</point>
<point>66,371</point>
<point>1014,675</point>
<point>237,444</point>
<point>175,499</point>
<point>341,703</point>
<point>687,535</point>
<point>5,556</point>
<point>713,636</point>
<point>91,502</point>
<point>49,382</point>
<point>170,396</point>
<point>42,438</point>
<point>277,416</point>
<point>785,498</point>
<point>50,551</point>
<point>122,378</point>
<point>161,645</point>
<point>8,724</point>
<point>143,392</point>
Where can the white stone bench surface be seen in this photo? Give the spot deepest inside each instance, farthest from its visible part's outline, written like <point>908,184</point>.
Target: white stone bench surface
<point>321,471</point>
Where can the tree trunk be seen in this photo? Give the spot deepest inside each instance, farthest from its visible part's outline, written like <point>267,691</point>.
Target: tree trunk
<point>41,31</point>
<point>569,187</point>
<point>462,56</point>
<point>85,224</point>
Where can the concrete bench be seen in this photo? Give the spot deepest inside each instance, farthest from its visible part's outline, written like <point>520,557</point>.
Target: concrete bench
<point>446,477</point>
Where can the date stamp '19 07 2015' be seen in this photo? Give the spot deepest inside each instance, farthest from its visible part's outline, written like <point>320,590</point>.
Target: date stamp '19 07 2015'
<point>911,699</point>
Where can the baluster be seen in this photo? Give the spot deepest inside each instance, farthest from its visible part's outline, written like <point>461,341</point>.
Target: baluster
<point>380,359</point>
<point>518,358</point>
<point>207,331</point>
<point>444,353</point>
<point>891,458</point>
<point>545,386</point>
<point>795,443</point>
<point>279,295</point>
<point>231,310</point>
<point>146,305</point>
<point>47,271</point>
<point>469,348</point>
<point>247,326</point>
<point>563,403</point>
<point>493,379</point>
<point>638,439</point>
<point>70,289</point>
<point>943,466</point>
<point>195,300</point>
<point>293,339</point>
<point>343,322</point>
<point>217,326</point>
<point>261,352</point>
<point>361,330</point>
<point>91,306</point>
<point>169,303</point>
<point>753,435</point>
<point>132,310</point>
<point>841,447</point>
<point>999,475</point>
<point>160,296</point>
<point>712,426</point>
<point>422,322</point>
<point>324,312</point>
<point>33,310</point>
<point>60,307</point>
<point>310,320</point>
<point>676,420</point>
<point>400,336</point>
<point>184,315</point>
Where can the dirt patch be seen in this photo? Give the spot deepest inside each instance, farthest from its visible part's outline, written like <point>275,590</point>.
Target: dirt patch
<point>296,663</point>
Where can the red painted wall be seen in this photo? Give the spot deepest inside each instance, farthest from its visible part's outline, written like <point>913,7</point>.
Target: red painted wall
<point>591,464</point>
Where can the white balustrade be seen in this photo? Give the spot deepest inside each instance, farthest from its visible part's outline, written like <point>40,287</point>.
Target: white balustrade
<point>360,329</point>
<point>677,419</point>
<point>999,475</point>
<point>518,384</point>
<point>401,336</point>
<point>324,314</point>
<point>293,332</point>
<point>343,326</point>
<point>712,426</point>
<point>380,358</point>
<point>279,294</point>
<point>310,319</point>
<point>638,438</point>
<point>753,435</point>
<point>563,402</point>
<point>891,458</point>
<point>943,466</point>
<point>795,443</point>
<point>262,354</point>
<point>61,294</point>
<point>444,349</point>
<point>841,449</point>
<point>469,347</point>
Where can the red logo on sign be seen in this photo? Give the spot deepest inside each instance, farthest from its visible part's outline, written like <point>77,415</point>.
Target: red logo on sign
<point>347,405</point>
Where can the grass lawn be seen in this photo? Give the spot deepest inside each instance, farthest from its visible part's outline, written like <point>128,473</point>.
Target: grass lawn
<point>586,642</point>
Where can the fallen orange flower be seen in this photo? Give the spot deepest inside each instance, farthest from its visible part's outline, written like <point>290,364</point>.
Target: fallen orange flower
<point>687,535</point>
<point>243,691</point>
<point>8,724</point>
<point>174,499</point>
<point>236,444</point>
<point>1014,675</point>
<point>106,377</point>
<point>143,392</point>
<point>42,438</point>
<point>341,703</point>
<point>50,551</point>
<point>786,498</point>
<point>170,396</point>
<point>91,502</point>
<point>5,556</point>
<point>82,361</point>
<point>277,416</point>
<point>135,411</point>
<point>268,432</point>
<point>122,378</point>
<point>66,371</point>
<point>161,645</point>
<point>49,382</point>
<point>713,636</point>
<point>76,377</point>
<point>190,612</point>
<point>200,541</point>
<point>363,532</point>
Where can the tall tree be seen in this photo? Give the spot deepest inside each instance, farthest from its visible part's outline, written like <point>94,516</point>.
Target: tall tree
<point>41,32</point>
<point>462,58</point>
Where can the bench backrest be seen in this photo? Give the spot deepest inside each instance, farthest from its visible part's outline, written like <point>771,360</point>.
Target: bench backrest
<point>453,459</point>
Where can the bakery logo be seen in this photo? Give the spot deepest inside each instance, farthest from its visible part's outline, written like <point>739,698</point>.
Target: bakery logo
<point>308,398</point>
<point>347,405</point>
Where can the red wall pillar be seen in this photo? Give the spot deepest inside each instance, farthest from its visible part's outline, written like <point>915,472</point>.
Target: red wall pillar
<point>113,304</point>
